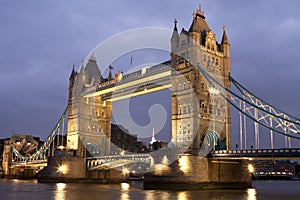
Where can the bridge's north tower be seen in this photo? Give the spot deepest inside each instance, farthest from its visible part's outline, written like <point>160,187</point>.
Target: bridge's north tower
<point>197,108</point>
<point>89,118</point>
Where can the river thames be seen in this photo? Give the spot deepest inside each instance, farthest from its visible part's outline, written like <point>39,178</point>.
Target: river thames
<point>30,189</point>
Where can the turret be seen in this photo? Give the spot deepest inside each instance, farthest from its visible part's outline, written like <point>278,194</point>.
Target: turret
<point>174,38</point>
<point>225,43</point>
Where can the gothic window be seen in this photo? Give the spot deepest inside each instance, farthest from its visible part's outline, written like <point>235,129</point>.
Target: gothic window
<point>217,62</point>
<point>213,47</point>
<point>180,126</point>
<point>184,85</point>
<point>179,86</point>
<point>189,108</point>
<point>185,109</point>
<point>202,104</point>
<point>210,109</point>
<point>202,86</point>
<point>208,46</point>
<point>179,109</point>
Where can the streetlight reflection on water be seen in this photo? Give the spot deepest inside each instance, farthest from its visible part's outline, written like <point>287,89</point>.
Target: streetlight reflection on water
<point>251,192</point>
<point>60,192</point>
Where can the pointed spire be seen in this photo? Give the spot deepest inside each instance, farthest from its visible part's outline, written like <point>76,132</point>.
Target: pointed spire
<point>110,76</point>
<point>82,71</point>
<point>224,38</point>
<point>175,37</point>
<point>92,57</point>
<point>153,139</point>
<point>73,73</point>
<point>175,24</point>
<point>199,12</point>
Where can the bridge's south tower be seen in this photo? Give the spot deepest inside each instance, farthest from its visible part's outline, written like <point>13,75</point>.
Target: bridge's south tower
<point>199,114</point>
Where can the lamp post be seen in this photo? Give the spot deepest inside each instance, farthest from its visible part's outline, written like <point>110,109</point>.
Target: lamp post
<point>213,91</point>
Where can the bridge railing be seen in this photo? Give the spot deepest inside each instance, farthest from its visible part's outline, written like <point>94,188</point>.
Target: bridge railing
<point>294,152</point>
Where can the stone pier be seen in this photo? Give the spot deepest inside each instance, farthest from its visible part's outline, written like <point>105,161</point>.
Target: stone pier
<point>193,172</point>
<point>73,169</point>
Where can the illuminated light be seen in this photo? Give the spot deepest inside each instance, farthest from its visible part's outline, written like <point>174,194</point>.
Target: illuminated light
<point>213,90</point>
<point>251,192</point>
<point>250,168</point>
<point>125,171</point>
<point>165,160</point>
<point>122,153</point>
<point>125,186</point>
<point>60,186</point>
<point>159,169</point>
<point>62,169</point>
<point>183,196</point>
<point>61,147</point>
<point>184,164</point>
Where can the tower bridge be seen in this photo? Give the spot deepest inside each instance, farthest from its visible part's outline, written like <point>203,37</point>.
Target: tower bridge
<point>198,75</point>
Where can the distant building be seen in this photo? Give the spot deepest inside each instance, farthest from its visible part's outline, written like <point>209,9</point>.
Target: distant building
<point>271,169</point>
<point>25,144</point>
<point>122,140</point>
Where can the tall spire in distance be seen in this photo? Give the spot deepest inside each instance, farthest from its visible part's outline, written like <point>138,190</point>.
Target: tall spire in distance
<point>153,139</point>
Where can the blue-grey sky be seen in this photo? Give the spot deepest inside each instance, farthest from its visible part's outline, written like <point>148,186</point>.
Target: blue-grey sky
<point>41,40</point>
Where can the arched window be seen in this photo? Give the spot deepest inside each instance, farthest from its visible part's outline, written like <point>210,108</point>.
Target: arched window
<point>179,86</point>
<point>189,108</point>
<point>210,109</point>
<point>184,109</point>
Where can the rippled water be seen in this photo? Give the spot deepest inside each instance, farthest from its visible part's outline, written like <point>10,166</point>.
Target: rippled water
<point>21,189</point>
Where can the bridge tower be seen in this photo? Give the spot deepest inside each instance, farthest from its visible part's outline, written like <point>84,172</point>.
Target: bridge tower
<point>89,118</point>
<point>196,111</point>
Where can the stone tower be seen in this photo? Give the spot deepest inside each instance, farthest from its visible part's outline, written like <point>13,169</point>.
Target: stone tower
<point>199,114</point>
<point>89,118</point>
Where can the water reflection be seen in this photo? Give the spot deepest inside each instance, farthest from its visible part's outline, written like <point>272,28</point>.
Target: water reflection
<point>60,192</point>
<point>251,194</point>
<point>124,191</point>
<point>125,186</point>
<point>182,195</point>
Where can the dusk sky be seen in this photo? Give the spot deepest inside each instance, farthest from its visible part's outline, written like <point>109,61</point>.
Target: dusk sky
<point>41,40</point>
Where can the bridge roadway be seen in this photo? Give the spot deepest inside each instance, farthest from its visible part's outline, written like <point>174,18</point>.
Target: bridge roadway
<point>258,154</point>
<point>121,160</point>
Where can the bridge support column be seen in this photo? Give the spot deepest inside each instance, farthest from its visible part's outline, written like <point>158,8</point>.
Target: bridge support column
<point>193,172</point>
<point>63,169</point>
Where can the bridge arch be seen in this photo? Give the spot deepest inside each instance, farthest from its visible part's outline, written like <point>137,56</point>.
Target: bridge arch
<point>210,139</point>
<point>93,149</point>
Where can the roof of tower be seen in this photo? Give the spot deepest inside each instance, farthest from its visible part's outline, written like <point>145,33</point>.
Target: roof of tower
<point>92,69</point>
<point>224,38</point>
<point>199,23</point>
<point>175,35</point>
<point>73,73</point>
